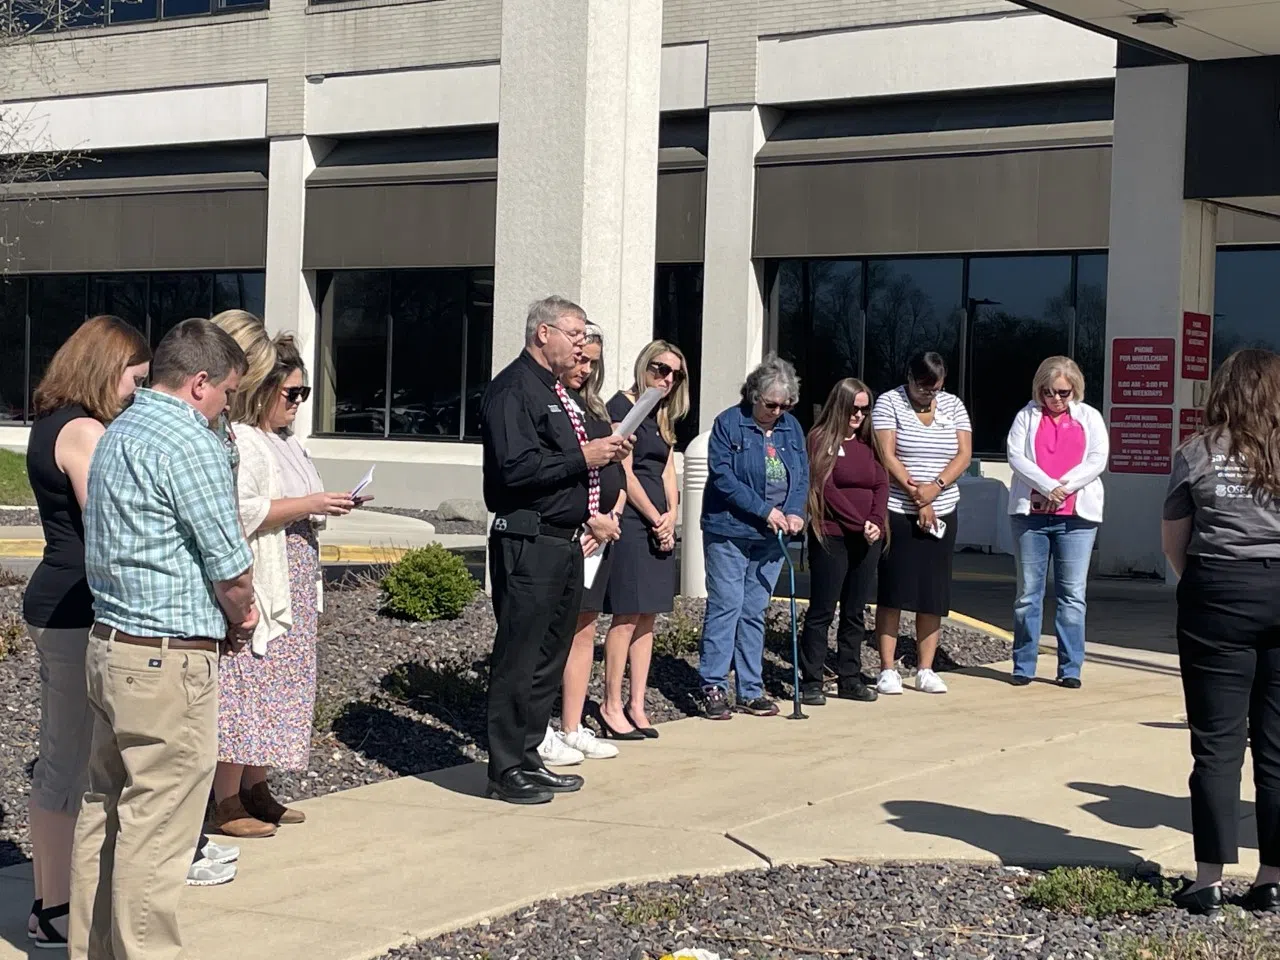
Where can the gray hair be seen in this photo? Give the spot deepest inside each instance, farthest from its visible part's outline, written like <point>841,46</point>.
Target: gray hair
<point>196,346</point>
<point>773,374</point>
<point>548,310</point>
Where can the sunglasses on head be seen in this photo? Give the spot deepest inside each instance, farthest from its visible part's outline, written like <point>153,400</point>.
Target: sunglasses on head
<point>664,370</point>
<point>1060,394</point>
<point>295,395</point>
<point>773,406</point>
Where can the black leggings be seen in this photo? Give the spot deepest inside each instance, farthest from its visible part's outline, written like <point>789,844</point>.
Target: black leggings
<point>841,570</point>
<point>1229,648</point>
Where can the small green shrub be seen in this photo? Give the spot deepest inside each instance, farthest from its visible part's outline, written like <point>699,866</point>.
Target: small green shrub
<point>679,637</point>
<point>650,908</point>
<point>1235,939</point>
<point>429,583</point>
<point>9,578</point>
<point>456,686</point>
<point>1094,892</point>
<point>13,637</point>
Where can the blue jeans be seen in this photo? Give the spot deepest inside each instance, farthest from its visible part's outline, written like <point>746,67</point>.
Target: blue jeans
<point>740,579</point>
<point>1069,540</point>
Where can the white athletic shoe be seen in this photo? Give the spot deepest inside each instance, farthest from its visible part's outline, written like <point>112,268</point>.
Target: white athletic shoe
<point>929,682</point>
<point>206,873</point>
<point>586,743</point>
<point>890,683</point>
<point>556,753</point>
<point>218,853</point>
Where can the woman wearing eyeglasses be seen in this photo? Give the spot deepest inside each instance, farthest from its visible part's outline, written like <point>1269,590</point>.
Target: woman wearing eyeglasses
<point>757,482</point>
<point>266,692</point>
<point>926,440</point>
<point>848,500</point>
<point>1058,448</point>
<point>642,583</point>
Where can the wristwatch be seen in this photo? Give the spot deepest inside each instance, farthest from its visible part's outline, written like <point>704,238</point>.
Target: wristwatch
<point>942,484</point>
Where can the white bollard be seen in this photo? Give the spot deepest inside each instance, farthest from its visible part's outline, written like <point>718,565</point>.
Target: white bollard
<point>693,567</point>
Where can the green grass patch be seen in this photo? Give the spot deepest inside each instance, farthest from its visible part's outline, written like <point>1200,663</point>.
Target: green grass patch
<point>650,908</point>
<point>679,637</point>
<point>1095,892</point>
<point>15,489</point>
<point>1238,938</point>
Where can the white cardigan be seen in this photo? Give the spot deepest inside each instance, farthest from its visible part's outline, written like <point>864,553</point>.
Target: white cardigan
<point>257,484</point>
<point>1084,479</point>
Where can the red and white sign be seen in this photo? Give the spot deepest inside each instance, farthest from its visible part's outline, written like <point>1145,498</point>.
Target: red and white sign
<point>1141,439</point>
<point>1190,419</point>
<point>1197,334</point>
<point>1142,369</point>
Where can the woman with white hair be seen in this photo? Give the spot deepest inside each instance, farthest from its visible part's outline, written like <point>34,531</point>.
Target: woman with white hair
<point>757,483</point>
<point>1058,448</point>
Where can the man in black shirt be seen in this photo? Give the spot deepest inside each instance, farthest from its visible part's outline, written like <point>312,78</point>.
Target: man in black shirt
<point>542,483</point>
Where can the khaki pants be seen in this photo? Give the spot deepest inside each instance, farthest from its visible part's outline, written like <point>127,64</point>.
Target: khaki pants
<point>155,742</point>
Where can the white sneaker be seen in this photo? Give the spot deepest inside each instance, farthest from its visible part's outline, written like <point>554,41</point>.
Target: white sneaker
<point>929,682</point>
<point>218,853</point>
<point>206,873</point>
<point>556,753</point>
<point>890,683</point>
<point>585,742</point>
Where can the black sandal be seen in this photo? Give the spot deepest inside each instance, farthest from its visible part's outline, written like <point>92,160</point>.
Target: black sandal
<point>49,937</point>
<point>36,906</point>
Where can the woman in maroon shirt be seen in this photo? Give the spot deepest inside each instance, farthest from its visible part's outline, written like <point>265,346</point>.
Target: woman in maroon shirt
<point>848,497</point>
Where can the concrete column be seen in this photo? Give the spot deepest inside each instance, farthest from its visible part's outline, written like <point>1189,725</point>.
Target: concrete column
<point>1161,263</point>
<point>290,293</point>
<point>732,295</point>
<point>578,168</point>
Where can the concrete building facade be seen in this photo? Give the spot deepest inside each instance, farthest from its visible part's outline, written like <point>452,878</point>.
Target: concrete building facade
<point>394,180</point>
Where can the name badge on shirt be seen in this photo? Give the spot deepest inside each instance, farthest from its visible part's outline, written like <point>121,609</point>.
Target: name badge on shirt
<point>554,408</point>
<point>943,421</point>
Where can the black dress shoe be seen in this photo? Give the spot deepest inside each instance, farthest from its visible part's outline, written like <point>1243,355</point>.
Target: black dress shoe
<point>1018,680</point>
<point>1207,901</point>
<point>855,688</point>
<point>1069,683</point>
<point>811,695</point>
<point>1264,898</point>
<point>555,782</point>
<point>517,786</point>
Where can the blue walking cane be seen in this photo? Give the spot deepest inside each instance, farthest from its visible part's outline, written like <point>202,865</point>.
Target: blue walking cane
<point>796,713</point>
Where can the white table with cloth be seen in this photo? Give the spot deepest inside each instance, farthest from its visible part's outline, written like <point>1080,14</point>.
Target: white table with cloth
<point>983,515</point>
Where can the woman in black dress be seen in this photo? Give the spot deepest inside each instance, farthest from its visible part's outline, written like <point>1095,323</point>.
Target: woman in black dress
<point>642,582</point>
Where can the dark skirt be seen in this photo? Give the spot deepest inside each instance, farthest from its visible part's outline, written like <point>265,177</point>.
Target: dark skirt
<point>593,599</point>
<point>915,568</point>
<point>643,579</point>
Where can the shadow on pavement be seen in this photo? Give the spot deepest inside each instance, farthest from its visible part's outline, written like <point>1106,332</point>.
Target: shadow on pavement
<point>469,779</point>
<point>1144,810</point>
<point>1017,841</point>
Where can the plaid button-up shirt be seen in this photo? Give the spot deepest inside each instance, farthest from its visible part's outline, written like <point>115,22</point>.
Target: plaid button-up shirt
<point>160,522</point>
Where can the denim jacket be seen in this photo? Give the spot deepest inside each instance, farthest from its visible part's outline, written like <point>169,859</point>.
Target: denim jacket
<point>734,504</point>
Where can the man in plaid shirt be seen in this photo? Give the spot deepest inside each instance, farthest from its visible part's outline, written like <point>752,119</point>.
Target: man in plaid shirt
<point>170,574</point>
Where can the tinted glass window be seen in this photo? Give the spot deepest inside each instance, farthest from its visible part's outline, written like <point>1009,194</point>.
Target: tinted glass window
<point>184,8</point>
<point>240,291</point>
<point>13,358</point>
<point>57,307</point>
<point>1091,324</point>
<point>677,318</point>
<point>123,295</point>
<point>912,305</point>
<point>428,309</point>
<point>129,11</point>
<point>1246,301</point>
<point>479,347</point>
<point>176,297</point>
<point>353,354</point>
<point>1030,319</point>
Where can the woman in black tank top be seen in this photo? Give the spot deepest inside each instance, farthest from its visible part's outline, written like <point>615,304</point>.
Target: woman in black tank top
<point>86,385</point>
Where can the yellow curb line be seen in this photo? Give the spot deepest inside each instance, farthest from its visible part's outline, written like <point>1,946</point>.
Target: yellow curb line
<point>21,549</point>
<point>962,618</point>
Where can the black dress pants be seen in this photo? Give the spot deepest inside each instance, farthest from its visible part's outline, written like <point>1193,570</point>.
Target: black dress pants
<point>841,570</point>
<point>537,589</point>
<point>1229,648</point>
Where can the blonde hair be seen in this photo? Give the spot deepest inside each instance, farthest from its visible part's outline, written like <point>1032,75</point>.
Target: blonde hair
<point>1050,370</point>
<point>590,391</point>
<point>87,368</point>
<point>673,407</point>
<point>249,404</point>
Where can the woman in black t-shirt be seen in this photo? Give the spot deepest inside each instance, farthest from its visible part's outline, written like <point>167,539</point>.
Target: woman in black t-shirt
<point>1221,535</point>
<point>87,384</point>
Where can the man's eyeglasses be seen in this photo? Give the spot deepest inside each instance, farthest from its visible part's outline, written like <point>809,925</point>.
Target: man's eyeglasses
<point>775,406</point>
<point>575,339</point>
<point>296,395</point>
<point>664,370</point>
<point>1060,394</point>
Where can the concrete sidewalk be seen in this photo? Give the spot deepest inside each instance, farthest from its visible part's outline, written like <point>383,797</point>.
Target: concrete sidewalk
<point>992,773</point>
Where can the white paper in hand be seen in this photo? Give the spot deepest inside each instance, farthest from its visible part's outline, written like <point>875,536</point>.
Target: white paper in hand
<point>591,565</point>
<point>364,482</point>
<point>643,407</point>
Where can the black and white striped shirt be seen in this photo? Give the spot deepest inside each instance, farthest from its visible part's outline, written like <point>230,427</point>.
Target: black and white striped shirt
<point>924,451</point>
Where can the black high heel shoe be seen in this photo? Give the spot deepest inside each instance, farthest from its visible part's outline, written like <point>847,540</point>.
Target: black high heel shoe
<point>49,938</point>
<point>1264,898</point>
<point>608,733</point>
<point>1207,901</point>
<point>647,732</point>
<point>36,907</point>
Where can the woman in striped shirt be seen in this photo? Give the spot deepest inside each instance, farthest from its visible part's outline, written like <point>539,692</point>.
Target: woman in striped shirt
<point>926,441</point>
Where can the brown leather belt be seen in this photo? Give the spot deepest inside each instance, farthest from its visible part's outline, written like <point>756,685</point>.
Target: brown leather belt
<point>104,632</point>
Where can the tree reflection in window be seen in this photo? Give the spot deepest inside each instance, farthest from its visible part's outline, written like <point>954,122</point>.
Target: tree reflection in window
<point>912,305</point>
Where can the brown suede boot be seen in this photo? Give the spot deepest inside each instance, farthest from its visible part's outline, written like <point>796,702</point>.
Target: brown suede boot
<point>261,804</point>
<point>231,819</point>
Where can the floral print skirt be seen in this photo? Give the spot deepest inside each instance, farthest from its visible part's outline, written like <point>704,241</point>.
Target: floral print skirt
<point>266,704</point>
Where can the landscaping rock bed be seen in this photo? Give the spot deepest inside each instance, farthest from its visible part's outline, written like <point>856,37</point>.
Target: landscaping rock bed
<point>396,698</point>
<point>20,517</point>
<point>433,518</point>
<point>842,910</point>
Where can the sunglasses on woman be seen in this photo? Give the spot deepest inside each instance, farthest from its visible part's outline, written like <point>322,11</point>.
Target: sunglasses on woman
<point>860,409</point>
<point>1060,394</point>
<point>773,406</point>
<point>664,370</point>
<point>296,395</point>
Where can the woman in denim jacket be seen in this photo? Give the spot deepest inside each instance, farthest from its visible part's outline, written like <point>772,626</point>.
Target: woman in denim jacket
<point>758,478</point>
